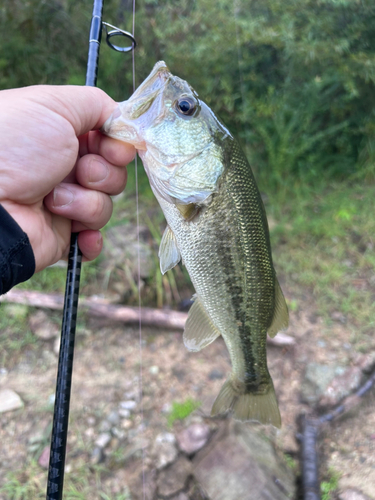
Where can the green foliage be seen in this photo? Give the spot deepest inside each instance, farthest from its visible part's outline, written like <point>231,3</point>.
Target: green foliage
<point>182,410</point>
<point>330,486</point>
<point>294,81</point>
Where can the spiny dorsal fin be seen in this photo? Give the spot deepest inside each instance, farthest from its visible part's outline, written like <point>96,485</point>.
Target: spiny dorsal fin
<point>189,211</point>
<point>280,316</point>
<point>199,329</point>
<point>169,254</point>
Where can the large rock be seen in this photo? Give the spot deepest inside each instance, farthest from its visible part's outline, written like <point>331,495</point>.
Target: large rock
<point>173,480</point>
<point>241,463</point>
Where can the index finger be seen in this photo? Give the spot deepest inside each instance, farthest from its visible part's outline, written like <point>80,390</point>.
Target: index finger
<point>116,152</point>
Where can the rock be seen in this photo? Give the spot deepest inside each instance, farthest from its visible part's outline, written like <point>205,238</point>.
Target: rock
<point>165,449</point>
<point>113,418</point>
<point>317,379</point>
<point>193,438</point>
<point>42,327</point>
<point>173,479</point>
<point>341,386</point>
<point>97,455</point>
<point>128,405</point>
<point>154,370</point>
<point>240,463</point>
<point>181,496</point>
<point>215,374</point>
<point>9,401</point>
<point>352,494</point>
<point>103,440</point>
<point>43,460</point>
<point>124,413</point>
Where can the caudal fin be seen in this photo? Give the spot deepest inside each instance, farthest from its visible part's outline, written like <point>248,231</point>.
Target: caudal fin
<point>248,406</point>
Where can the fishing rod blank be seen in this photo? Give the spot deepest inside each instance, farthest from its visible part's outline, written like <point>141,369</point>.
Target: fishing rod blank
<point>55,480</point>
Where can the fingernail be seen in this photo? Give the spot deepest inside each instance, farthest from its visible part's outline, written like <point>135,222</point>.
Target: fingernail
<point>62,196</point>
<point>98,171</point>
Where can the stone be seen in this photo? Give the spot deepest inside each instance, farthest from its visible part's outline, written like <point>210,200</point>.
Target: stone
<point>216,374</point>
<point>353,494</point>
<point>241,463</point>
<point>154,370</point>
<point>9,401</point>
<point>128,405</point>
<point>165,449</point>
<point>124,413</point>
<point>113,418</point>
<point>42,327</point>
<point>173,479</point>
<point>180,496</point>
<point>103,440</point>
<point>97,455</point>
<point>43,460</point>
<point>317,379</point>
<point>193,438</point>
<point>341,386</point>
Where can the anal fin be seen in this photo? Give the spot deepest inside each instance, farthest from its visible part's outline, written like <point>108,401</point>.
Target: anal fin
<point>199,329</point>
<point>169,253</point>
<point>280,318</point>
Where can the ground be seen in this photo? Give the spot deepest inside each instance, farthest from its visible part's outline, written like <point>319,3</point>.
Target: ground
<point>112,363</point>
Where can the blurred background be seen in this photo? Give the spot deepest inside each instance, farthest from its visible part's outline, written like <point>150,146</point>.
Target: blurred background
<point>295,84</point>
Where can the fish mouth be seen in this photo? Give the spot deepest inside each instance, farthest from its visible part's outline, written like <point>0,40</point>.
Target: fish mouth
<point>126,122</point>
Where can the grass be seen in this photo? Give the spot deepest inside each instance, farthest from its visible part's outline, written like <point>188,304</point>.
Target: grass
<point>324,242</point>
<point>329,486</point>
<point>182,410</point>
<point>80,484</point>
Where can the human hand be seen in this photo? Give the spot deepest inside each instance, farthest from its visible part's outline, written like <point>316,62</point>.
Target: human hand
<point>57,170</point>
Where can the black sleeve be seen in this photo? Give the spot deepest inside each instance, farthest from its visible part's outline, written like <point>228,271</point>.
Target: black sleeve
<point>17,261</point>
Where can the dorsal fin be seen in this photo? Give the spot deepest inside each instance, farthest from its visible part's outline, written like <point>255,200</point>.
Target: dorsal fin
<point>280,318</point>
<point>199,329</point>
<point>169,254</point>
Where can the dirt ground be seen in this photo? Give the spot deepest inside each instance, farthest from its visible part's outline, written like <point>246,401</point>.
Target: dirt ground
<point>112,363</point>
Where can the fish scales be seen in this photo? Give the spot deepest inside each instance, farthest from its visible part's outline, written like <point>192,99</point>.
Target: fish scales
<point>217,225</point>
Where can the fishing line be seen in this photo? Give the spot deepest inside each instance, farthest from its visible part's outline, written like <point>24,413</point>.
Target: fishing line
<point>139,282</point>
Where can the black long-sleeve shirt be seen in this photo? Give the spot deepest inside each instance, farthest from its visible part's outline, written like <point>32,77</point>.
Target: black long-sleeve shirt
<point>17,261</point>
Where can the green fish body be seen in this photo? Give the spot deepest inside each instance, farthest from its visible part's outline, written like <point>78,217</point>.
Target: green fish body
<point>217,226</point>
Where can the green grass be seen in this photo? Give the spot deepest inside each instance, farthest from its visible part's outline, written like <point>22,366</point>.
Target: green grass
<point>182,410</point>
<point>79,484</point>
<point>329,486</point>
<point>323,240</point>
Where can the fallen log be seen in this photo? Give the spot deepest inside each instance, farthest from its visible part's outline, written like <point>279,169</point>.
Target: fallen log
<point>99,307</point>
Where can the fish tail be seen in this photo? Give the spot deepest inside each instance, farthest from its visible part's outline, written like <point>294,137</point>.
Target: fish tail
<point>248,405</point>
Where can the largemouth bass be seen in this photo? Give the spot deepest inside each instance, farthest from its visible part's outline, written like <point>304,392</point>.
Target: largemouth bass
<point>217,226</point>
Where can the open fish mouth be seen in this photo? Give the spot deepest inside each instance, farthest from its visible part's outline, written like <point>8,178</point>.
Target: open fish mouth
<point>126,123</point>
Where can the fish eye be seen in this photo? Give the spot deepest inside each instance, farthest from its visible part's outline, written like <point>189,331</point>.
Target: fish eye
<point>186,106</point>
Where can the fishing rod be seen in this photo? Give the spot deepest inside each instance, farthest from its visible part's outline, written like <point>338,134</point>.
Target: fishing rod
<point>59,436</point>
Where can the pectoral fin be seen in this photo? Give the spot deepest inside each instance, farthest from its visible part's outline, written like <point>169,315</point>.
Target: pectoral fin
<point>281,316</point>
<point>199,329</point>
<point>169,254</point>
<point>189,211</point>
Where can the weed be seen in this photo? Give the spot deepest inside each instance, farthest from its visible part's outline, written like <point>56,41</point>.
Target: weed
<point>182,410</point>
<point>330,486</point>
<point>291,463</point>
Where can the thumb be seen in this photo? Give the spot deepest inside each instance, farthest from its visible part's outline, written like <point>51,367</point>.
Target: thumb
<point>86,108</point>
